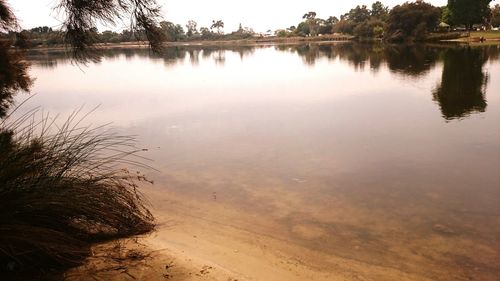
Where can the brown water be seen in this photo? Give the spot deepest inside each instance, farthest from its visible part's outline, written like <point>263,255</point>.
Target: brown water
<point>385,155</point>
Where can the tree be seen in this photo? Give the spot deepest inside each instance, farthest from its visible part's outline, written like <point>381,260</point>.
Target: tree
<point>411,21</point>
<point>446,15</point>
<point>312,24</point>
<point>379,11</point>
<point>81,17</point>
<point>309,15</point>
<point>205,33</point>
<point>359,14</point>
<point>495,16</point>
<point>219,25</point>
<point>326,26</point>
<point>469,12</point>
<point>41,29</point>
<point>373,28</point>
<point>173,32</point>
<point>351,20</point>
<point>303,29</point>
<point>344,26</point>
<point>332,20</point>
<point>191,28</point>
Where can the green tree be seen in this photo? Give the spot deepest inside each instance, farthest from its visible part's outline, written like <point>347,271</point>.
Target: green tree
<point>344,26</point>
<point>303,29</point>
<point>173,32</point>
<point>359,14</point>
<point>312,23</point>
<point>219,25</point>
<point>326,26</point>
<point>446,15</point>
<point>379,11</point>
<point>495,16</point>
<point>191,28</point>
<point>469,12</point>
<point>411,21</point>
<point>373,28</point>
<point>206,33</point>
<point>41,29</point>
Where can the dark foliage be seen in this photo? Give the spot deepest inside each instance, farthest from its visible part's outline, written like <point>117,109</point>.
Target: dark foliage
<point>13,76</point>
<point>411,21</point>
<point>469,12</point>
<point>61,189</point>
<point>7,19</point>
<point>82,17</point>
<point>462,88</point>
<point>495,16</point>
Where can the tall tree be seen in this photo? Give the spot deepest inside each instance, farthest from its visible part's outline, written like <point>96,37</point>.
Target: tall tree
<point>312,23</point>
<point>309,15</point>
<point>82,17</point>
<point>411,21</point>
<point>379,11</point>
<point>173,32</point>
<point>219,25</point>
<point>469,12</point>
<point>495,16</point>
<point>446,15</point>
<point>191,28</point>
<point>359,14</point>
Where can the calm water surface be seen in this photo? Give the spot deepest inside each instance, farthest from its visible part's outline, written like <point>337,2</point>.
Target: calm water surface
<point>386,155</point>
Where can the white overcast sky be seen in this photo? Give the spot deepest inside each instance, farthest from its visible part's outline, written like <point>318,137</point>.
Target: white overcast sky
<point>261,15</point>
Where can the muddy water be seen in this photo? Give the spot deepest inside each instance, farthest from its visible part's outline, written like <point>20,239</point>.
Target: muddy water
<point>386,155</point>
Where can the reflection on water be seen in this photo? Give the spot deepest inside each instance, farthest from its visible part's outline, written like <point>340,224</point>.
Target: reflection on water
<point>13,76</point>
<point>461,90</point>
<point>386,155</point>
<point>171,55</point>
<point>463,84</point>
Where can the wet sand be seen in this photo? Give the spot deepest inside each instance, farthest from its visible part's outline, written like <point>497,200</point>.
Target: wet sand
<point>207,240</point>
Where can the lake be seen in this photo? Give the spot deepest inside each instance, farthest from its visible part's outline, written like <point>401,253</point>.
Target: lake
<point>369,162</point>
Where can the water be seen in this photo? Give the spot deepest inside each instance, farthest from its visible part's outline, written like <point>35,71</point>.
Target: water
<point>385,155</point>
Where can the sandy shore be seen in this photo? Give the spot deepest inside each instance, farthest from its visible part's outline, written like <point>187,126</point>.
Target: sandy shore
<point>221,244</point>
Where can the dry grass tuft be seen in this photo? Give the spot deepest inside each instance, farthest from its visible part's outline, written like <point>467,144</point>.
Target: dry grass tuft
<point>63,188</point>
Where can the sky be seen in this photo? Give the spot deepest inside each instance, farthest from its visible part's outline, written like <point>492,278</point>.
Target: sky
<point>260,15</point>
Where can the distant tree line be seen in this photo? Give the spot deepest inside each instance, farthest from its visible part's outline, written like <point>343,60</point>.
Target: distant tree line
<point>171,32</point>
<point>411,21</point>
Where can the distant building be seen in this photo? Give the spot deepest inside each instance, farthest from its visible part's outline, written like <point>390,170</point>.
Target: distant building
<point>444,27</point>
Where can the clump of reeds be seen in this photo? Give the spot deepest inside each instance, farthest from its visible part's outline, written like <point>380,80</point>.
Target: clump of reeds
<point>63,187</point>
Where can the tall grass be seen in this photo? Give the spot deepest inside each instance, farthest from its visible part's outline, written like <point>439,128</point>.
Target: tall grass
<point>63,187</point>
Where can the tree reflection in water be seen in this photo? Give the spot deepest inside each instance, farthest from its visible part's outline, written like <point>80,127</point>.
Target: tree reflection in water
<point>463,84</point>
<point>13,76</point>
<point>462,89</point>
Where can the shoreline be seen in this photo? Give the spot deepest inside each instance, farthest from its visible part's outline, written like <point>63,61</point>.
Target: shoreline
<point>240,43</point>
<point>191,243</point>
